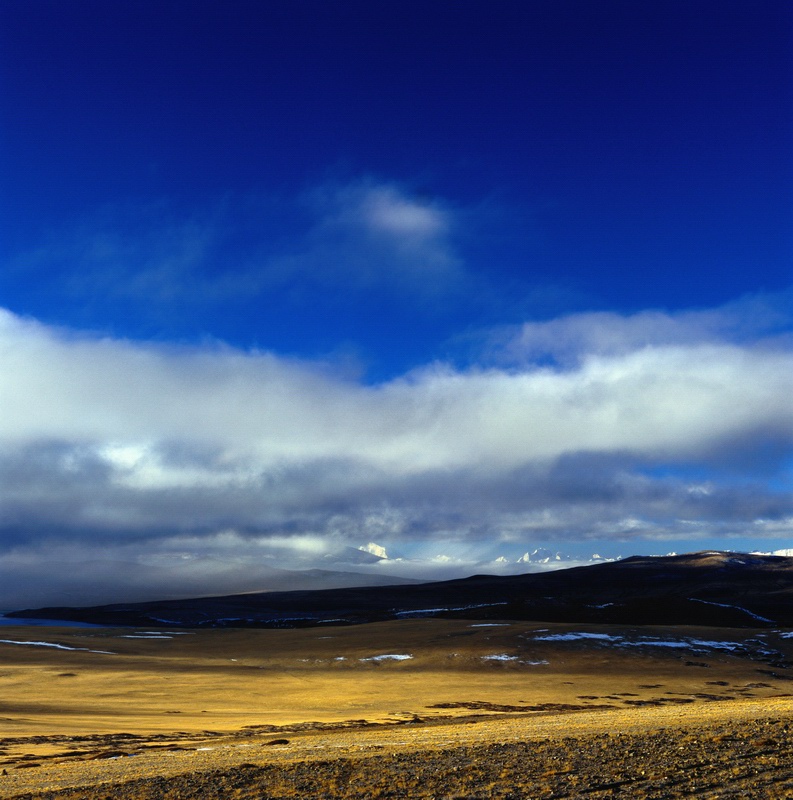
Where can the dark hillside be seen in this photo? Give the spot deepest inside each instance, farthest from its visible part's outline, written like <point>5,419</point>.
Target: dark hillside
<point>711,588</point>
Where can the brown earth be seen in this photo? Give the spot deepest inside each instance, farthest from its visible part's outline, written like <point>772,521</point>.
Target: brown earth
<point>710,757</point>
<point>509,710</point>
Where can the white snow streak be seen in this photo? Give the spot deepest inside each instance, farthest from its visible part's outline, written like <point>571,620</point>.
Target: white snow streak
<point>56,646</point>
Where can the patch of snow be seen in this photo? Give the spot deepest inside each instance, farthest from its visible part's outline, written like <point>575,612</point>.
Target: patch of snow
<point>420,611</point>
<point>572,637</point>
<point>374,549</point>
<point>680,644</point>
<point>57,646</point>
<point>685,644</point>
<point>499,657</point>
<point>621,641</point>
<point>490,625</point>
<point>716,645</point>
<point>541,556</point>
<point>737,608</point>
<point>657,643</point>
<point>389,657</point>
<point>167,633</point>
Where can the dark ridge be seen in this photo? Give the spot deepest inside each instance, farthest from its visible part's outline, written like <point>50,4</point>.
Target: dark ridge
<point>709,588</point>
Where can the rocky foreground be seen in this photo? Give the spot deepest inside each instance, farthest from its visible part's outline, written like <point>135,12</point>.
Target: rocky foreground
<point>745,759</point>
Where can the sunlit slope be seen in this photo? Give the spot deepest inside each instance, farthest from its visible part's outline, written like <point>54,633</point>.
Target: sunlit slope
<point>145,680</point>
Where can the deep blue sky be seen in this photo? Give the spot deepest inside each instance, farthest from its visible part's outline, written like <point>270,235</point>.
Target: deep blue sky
<point>459,278</point>
<point>600,156</point>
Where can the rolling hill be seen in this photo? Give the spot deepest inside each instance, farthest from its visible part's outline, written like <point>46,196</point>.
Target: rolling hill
<point>707,588</point>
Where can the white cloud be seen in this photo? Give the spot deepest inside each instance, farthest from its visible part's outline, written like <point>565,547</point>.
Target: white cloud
<point>371,234</point>
<point>385,209</point>
<point>118,443</point>
<point>177,417</point>
<point>567,339</point>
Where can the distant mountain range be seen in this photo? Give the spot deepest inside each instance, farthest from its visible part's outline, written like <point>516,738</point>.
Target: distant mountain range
<point>708,588</point>
<point>373,552</point>
<point>104,580</point>
<point>175,575</point>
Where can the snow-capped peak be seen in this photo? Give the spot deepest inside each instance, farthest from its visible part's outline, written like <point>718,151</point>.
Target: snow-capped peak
<point>374,549</point>
<point>540,556</point>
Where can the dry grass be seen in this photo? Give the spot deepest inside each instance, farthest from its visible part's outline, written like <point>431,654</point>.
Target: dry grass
<point>60,708</point>
<point>226,679</point>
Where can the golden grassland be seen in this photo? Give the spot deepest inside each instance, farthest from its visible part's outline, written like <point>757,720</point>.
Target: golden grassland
<point>214,699</point>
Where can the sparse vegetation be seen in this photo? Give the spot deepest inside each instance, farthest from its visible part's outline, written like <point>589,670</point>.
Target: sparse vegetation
<point>740,760</point>
<point>303,713</point>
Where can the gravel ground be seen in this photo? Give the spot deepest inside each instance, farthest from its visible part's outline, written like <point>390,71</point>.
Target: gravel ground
<point>745,759</point>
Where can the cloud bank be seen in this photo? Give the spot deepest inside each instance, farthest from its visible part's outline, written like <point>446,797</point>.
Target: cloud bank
<point>652,427</point>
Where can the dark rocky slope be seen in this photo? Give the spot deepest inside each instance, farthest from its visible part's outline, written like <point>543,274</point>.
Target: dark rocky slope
<point>711,588</point>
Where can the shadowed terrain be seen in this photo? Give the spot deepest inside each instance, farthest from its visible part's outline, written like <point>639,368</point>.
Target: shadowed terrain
<point>711,588</point>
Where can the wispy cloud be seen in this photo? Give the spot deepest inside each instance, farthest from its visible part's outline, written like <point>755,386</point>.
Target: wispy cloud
<point>127,254</point>
<point>151,262</point>
<point>369,234</point>
<point>566,340</point>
